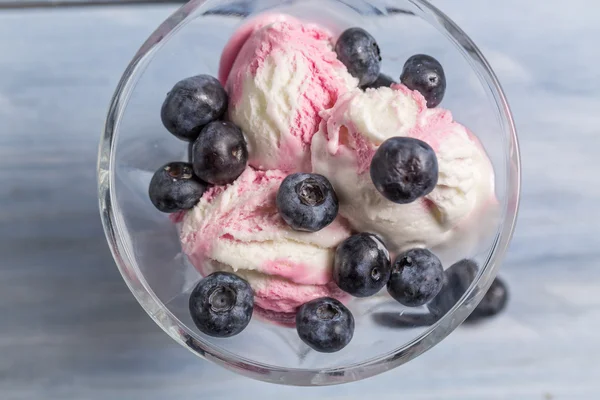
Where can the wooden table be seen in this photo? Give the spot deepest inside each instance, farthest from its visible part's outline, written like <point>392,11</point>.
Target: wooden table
<point>70,329</point>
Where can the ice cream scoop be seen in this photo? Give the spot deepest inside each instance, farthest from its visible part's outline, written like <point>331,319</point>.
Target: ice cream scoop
<point>284,74</point>
<point>237,228</point>
<point>452,218</point>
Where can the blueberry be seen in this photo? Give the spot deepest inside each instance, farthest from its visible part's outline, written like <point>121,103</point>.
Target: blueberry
<point>221,304</point>
<point>307,202</point>
<point>492,303</point>
<point>362,265</point>
<point>382,81</point>
<point>325,324</point>
<point>220,154</point>
<point>457,279</point>
<point>359,52</point>
<point>191,104</point>
<point>404,169</point>
<point>417,277</point>
<point>426,75</point>
<point>174,187</point>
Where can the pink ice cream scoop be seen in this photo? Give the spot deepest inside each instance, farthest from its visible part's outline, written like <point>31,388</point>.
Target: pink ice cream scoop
<point>237,228</point>
<point>280,74</point>
<point>451,220</point>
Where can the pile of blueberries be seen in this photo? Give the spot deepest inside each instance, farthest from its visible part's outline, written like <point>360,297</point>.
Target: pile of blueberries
<point>403,169</point>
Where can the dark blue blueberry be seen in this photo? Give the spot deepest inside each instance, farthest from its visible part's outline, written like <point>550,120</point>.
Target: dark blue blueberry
<point>457,279</point>
<point>174,187</point>
<point>325,324</point>
<point>382,80</point>
<point>307,202</point>
<point>221,304</point>
<point>359,52</point>
<point>220,154</point>
<point>191,104</point>
<point>426,75</point>
<point>362,265</point>
<point>492,303</point>
<point>404,169</point>
<point>417,277</point>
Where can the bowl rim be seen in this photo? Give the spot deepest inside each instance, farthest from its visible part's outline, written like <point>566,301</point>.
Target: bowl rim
<point>112,224</point>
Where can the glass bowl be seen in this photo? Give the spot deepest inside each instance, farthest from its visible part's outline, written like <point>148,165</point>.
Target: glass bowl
<point>144,242</point>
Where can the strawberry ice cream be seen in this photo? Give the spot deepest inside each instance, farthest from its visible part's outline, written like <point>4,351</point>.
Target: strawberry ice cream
<point>450,218</point>
<point>236,228</point>
<point>280,74</point>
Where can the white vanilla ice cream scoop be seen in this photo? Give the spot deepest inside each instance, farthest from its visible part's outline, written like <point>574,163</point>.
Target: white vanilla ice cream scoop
<point>451,220</point>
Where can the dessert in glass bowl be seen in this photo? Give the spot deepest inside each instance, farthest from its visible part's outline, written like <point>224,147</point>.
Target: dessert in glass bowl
<point>321,175</point>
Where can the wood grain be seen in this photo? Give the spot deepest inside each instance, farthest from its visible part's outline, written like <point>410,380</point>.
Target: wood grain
<point>71,330</point>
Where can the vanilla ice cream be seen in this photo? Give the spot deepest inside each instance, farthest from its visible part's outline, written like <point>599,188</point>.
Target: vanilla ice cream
<point>236,228</point>
<point>450,218</point>
<point>283,75</point>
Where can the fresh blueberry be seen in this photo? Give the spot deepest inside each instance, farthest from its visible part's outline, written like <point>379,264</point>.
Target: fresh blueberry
<point>221,304</point>
<point>404,169</point>
<point>307,202</point>
<point>382,81</point>
<point>359,52</point>
<point>457,279</point>
<point>191,104</point>
<point>362,265</point>
<point>492,303</point>
<point>220,155</point>
<point>426,75</point>
<point>417,277</point>
<point>174,187</point>
<point>325,324</point>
